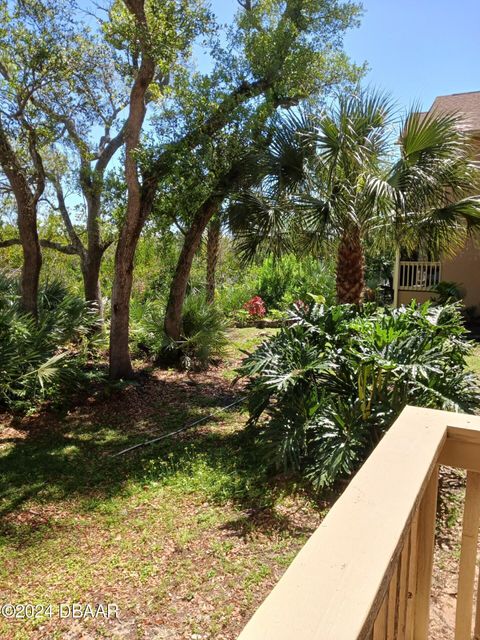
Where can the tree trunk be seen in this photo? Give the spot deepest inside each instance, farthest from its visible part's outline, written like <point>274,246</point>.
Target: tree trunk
<point>139,204</point>
<point>90,256</point>
<point>120,364</point>
<point>32,256</point>
<point>232,178</point>
<point>350,268</point>
<point>91,264</point>
<point>95,251</point>
<point>178,288</point>
<point>26,197</point>
<point>213,244</point>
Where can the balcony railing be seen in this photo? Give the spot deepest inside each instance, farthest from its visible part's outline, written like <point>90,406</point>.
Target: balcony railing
<point>419,276</point>
<point>365,574</point>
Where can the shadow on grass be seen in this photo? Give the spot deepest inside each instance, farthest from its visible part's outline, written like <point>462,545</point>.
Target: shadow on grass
<point>71,459</point>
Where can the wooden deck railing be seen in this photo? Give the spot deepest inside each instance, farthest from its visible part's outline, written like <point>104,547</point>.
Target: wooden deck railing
<point>419,275</point>
<point>366,572</point>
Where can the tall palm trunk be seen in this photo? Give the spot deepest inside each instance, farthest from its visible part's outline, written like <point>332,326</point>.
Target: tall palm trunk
<point>213,245</point>
<point>350,268</point>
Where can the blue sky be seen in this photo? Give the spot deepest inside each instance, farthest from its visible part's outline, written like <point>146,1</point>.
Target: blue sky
<point>416,49</point>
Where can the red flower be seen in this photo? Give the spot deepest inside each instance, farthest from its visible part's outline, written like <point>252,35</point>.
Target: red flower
<point>256,307</point>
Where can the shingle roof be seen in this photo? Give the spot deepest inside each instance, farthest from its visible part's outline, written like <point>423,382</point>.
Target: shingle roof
<point>467,105</point>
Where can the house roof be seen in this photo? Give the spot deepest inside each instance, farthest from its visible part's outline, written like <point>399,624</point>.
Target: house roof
<point>466,105</point>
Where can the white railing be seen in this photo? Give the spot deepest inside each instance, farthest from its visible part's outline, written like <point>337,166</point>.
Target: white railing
<point>365,574</point>
<point>419,275</point>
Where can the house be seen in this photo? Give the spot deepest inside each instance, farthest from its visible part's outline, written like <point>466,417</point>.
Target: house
<point>415,279</point>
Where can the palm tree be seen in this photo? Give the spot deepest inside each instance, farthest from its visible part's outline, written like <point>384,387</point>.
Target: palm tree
<point>263,217</point>
<point>352,143</point>
<point>433,187</point>
<point>352,192</point>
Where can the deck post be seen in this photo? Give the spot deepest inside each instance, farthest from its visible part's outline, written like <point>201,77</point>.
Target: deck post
<point>396,277</point>
<point>468,556</point>
<point>425,550</point>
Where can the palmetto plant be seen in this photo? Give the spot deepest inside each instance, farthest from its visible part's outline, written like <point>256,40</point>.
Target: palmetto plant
<point>42,358</point>
<point>263,217</point>
<point>323,391</point>
<point>347,188</point>
<point>204,337</point>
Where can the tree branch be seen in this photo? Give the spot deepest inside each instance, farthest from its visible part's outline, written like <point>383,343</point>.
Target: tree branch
<point>110,149</point>
<point>107,244</point>
<point>13,168</point>
<point>46,244</point>
<point>246,4</point>
<point>9,243</point>
<point>63,248</point>
<point>62,207</point>
<point>37,162</point>
<point>179,226</point>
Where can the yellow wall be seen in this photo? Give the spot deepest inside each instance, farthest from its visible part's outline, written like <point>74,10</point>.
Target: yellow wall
<point>464,269</point>
<point>405,297</point>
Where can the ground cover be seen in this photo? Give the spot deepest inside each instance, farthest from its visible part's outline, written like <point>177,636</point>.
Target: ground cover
<point>448,538</point>
<point>186,537</point>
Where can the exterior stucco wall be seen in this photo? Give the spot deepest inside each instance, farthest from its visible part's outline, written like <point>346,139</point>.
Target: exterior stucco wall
<point>405,297</point>
<point>464,270</point>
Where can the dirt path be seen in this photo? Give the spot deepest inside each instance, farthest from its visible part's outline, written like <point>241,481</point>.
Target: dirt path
<point>447,555</point>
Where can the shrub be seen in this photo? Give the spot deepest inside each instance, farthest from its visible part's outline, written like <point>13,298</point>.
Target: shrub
<point>255,307</point>
<point>42,358</point>
<point>446,291</point>
<point>146,326</point>
<point>282,281</point>
<point>323,391</point>
<point>231,298</point>
<point>204,332</point>
<point>278,281</point>
<point>242,318</point>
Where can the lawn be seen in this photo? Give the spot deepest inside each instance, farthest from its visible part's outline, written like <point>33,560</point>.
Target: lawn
<point>473,360</point>
<point>186,536</point>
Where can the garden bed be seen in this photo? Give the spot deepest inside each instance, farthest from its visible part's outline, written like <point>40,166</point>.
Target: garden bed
<point>186,536</point>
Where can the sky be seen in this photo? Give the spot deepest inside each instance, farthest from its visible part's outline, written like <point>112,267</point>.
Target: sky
<point>419,49</point>
<point>416,49</point>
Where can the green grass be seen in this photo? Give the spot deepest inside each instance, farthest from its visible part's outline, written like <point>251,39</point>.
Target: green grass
<point>186,536</point>
<point>246,339</point>
<point>473,361</point>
